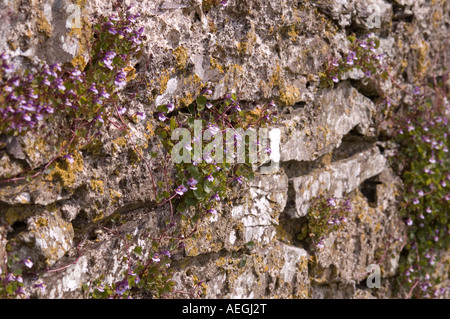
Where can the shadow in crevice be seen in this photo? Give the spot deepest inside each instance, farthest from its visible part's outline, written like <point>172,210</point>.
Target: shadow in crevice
<point>352,143</point>
<point>369,189</point>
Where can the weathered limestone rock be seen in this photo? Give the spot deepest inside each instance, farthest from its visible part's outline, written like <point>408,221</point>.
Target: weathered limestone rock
<point>264,50</point>
<point>338,179</point>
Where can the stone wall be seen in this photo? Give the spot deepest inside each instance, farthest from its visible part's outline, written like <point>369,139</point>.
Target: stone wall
<point>331,142</point>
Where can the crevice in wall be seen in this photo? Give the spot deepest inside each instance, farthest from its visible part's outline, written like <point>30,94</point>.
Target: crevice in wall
<point>368,89</point>
<point>16,229</point>
<point>295,168</point>
<point>369,189</point>
<point>352,143</point>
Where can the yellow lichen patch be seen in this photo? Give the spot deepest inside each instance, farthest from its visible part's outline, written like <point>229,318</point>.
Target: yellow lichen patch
<point>293,33</point>
<point>131,73</point>
<point>215,65</point>
<point>437,17</point>
<point>163,82</point>
<point>66,172</point>
<point>422,62</point>
<point>119,143</point>
<point>97,216</point>
<point>97,186</point>
<point>247,44</point>
<point>41,222</point>
<point>275,78</point>
<point>150,129</point>
<point>83,35</point>
<point>289,95</point>
<point>188,99</point>
<point>181,56</point>
<point>220,262</point>
<point>115,196</point>
<point>43,24</point>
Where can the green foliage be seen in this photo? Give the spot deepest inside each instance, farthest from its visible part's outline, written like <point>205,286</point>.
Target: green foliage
<point>423,136</point>
<point>324,216</point>
<point>361,56</point>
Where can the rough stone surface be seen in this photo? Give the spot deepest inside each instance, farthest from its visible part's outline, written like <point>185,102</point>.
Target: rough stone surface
<point>264,50</point>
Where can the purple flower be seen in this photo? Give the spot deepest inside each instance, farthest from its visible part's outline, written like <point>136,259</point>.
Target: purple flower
<point>320,245</point>
<point>108,59</point>
<point>99,118</point>
<point>156,258</point>
<point>331,202</point>
<point>368,74</point>
<point>443,184</point>
<point>69,158</point>
<point>428,210</point>
<point>335,63</point>
<point>101,288</point>
<point>20,291</point>
<point>416,90</point>
<point>432,160</point>
<point>59,84</point>
<point>335,79</point>
<point>122,287</point>
<point>209,105</point>
<point>224,2</point>
<point>170,107</point>
<point>212,211</point>
<point>120,80</point>
<point>188,147</point>
<point>122,110</point>
<point>104,94</point>
<point>10,277</point>
<point>210,178</point>
<point>216,197</point>
<point>166,252</point>
<point>409,222</point>
<point>213,129</point>
<point>344,219</point>
<point>162,117</point>
<point>181,190</point>
<point>415,201</point>
<point>192,182</point>
<point>140,115</point>
<point>421,216</point>
<point>93,89</point>
<point>207,91</point>
<point>40,286</point>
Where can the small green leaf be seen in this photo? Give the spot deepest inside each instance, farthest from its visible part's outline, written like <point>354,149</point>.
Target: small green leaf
<point>201,102</point>
<point>137,250</point>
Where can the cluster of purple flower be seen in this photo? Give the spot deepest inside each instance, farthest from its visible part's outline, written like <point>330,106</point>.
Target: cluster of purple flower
<point>362,54</point>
